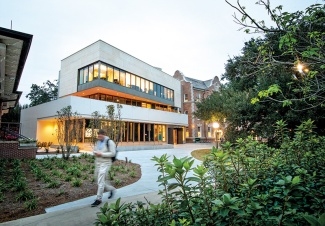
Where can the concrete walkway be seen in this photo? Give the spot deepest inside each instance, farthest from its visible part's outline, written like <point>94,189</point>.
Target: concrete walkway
<point>80,213</point>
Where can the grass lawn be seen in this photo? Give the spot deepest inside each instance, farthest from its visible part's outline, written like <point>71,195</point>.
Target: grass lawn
<point>198,154</point>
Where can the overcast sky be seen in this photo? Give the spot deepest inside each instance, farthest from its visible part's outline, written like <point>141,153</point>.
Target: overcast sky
<point>195,37</point>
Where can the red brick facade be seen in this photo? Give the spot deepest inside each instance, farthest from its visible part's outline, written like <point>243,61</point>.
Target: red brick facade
<point>194,90</point>
<point>11,150</point>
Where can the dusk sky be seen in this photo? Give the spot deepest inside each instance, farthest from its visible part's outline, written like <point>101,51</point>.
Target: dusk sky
<point>195,37</point>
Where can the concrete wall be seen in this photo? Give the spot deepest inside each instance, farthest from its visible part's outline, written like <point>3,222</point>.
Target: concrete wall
<point>39,118</point>
<point>113,56</point>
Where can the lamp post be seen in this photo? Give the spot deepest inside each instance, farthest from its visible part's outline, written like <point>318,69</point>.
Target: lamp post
<point>216,126</point>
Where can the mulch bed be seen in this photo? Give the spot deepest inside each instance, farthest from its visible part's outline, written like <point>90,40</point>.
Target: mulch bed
<point>11,209</point>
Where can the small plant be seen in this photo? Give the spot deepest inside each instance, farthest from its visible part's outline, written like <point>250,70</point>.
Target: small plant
<point>132,174</point>
<point>68,178</point>
<point>76,182</point>
<point>54,184</point>
<point>25,195</point>
<point>85,177</point>
<point>2,196</point>
<point>117,181</point>
<point>31,204</point>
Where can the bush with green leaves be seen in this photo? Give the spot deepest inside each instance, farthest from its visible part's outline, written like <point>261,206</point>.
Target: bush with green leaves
<point>245,183</point>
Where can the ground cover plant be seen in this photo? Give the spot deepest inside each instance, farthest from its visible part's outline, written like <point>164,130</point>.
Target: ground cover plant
<point>27,187</point>
<point>245,183</point>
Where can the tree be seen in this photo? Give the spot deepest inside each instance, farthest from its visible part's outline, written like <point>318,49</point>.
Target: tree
<point>302,51</point>
<point>111,123</point>
<point>69,130</point>
<point>42,94</point>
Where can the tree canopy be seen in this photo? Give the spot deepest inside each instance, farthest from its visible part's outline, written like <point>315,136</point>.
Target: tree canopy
<point>42,94</point>
<point>267,82</point>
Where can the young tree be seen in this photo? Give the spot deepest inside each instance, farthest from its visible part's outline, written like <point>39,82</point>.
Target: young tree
<point>95,124</point>
<point>114,125</point>
<point>69,130</point>
<point>42,94</point>
<point>111,122</point>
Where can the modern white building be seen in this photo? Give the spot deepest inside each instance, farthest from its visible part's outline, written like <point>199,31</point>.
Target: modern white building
<point>101,74</point>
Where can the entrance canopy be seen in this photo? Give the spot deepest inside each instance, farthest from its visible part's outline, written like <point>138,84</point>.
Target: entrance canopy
<point>14,48</point>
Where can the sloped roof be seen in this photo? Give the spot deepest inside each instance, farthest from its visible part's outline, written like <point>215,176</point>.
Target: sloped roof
<point>198,83</point>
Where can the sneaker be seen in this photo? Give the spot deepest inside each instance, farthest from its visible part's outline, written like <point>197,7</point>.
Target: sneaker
<point>96,203</point>
<point>111,194</point>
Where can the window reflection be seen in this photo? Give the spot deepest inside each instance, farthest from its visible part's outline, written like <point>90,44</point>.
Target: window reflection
<point>91,73</point>
<point>86,75</point>
<point>116,76</point>
<point>81,77</point>
<point>103,71</point>
<point>110,74</point>
<point>122,78</point>
<point>95,71</point>
<point>128,80</point>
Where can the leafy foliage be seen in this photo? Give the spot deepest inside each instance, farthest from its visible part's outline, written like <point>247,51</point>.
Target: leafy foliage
<point>246,183</point>
<point>42,94</point>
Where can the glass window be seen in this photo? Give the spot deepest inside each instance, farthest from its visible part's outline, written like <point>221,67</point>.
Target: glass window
<point>158,90</point>
<point>137,83</point>
<point>128,80</point>
<point>172,95</point>
<point>102,97</point>
<point>116,76</point>
<point>130,131</point>
<point>110,74</point>
<point>96,71</point>
<point>142,85</point>
<point>103,70</point>
<point>86,75</point>
<point>162,91</point>
<point>122,78</point>
<point>199,131</point>
<point>155,89</point>
<point>165,93</point>
<point>133,82</point>
<point>109,98</point>
<point>91,73</point>
<point>168,94</point>
<point>151,88</point>
<point>81,76</point>
<point>185,97</point>
<point>146,86</point>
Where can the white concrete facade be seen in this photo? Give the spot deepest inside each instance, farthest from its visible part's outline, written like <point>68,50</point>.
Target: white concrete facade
<point>31,118</point>
<point>101,51</point>
<point>39,122</point>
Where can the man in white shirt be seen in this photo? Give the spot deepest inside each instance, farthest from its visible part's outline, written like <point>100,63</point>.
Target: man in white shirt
<point>104,150</point>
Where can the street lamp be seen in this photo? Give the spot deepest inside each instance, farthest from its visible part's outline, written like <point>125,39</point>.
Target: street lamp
<point>216,126</point>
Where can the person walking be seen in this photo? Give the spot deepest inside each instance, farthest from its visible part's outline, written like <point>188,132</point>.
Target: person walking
<point>104,150</point>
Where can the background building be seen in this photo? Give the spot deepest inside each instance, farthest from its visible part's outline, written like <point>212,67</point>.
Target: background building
<point>99,75</point>
<point>194,90</point>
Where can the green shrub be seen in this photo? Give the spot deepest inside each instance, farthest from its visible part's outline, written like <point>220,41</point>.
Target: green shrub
<point>53,184</point>
<point>25,195</point>
<point>74,171</point>
<point>31,204</point>
<point>68,178</point>
<point>117,181</point>
<point>245,183</point>
<point>2,196</point>
<point>132,174</point>
<point>76,182</point>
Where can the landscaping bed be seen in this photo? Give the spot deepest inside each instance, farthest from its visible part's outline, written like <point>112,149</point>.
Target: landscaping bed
<point>27,187</point>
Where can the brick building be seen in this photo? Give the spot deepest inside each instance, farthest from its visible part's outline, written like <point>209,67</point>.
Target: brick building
<point>194,90</point>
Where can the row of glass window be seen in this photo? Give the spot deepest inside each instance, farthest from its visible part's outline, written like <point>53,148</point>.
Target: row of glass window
<point>136,103</point>
<point>109,73</point>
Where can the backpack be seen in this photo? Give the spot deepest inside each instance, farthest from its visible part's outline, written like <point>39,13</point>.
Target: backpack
<point>114,157</point>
